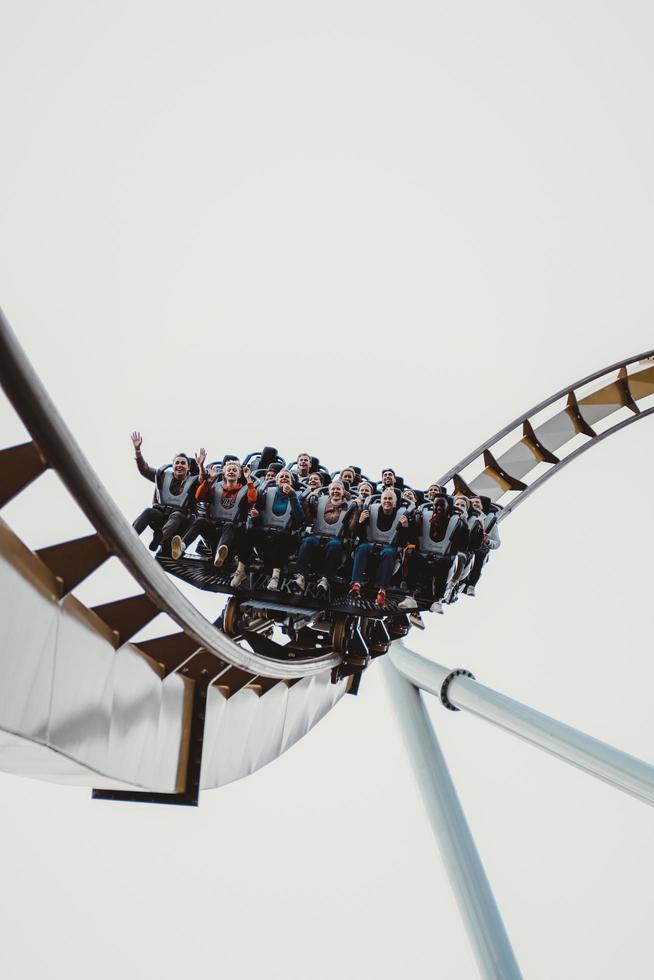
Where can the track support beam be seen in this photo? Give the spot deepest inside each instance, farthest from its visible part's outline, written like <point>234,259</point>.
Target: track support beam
<point>490,942</point>
<point>459,690</point>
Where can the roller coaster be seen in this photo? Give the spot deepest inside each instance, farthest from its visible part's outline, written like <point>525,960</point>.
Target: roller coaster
<point>158,720</point>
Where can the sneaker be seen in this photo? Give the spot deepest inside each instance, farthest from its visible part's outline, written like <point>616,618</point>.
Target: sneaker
<point>408,603</point>
<point>239,576</point>
<point>273,583</point>
<point>221,555</point>
<point>380,598</point>
<point>297,583</point>
<point>177,547</point>
<point>416,620</point>
<point>437,607</point>
<point>156,541</point>
<point>355,589</point>
<point>470,590</point>
<point>323,584</point>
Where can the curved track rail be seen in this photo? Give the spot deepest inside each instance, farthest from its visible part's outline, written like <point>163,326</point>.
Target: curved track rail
<point>552,426</point>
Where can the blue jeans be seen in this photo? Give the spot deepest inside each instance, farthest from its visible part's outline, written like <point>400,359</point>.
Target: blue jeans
<point>311,555</point>
<point>387,558</point>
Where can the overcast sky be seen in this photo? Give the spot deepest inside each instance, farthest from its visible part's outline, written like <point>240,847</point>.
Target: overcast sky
<point>376,231</point>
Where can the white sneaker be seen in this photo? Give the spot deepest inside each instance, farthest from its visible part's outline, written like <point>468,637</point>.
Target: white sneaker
<point>437,607</point>
<point>177,547</point>
<point>273,584</point>
<point>408,603</point>
<point>416,620</point>
<point>221,555</point>
<point>298,582</point>
<point>239,576</point>
<point>470,591</point>
<point>323,584</point>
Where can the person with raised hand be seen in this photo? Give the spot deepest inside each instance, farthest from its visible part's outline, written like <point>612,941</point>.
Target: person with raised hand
<point>174,499</point>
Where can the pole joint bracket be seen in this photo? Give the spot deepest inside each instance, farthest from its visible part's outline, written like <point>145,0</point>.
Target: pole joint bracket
<point>460,672</point>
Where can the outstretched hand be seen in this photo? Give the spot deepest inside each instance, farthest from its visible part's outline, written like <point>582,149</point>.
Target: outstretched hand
<point>201,456</point>
<point>212,472</point>
<point>137,440</point>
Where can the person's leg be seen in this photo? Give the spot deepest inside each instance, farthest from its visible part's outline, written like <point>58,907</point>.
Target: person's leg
<point>176,522</point>
<point>361,556</point>
<point>441,570</point>
<point>386,566</point>
<point>227,535</point>
<point>247,540</point>
<point>333,556</point>
<point>203,527</point>
<point>307,555</point>
<point>477,566</point>
<point>150,517</point>
<point>415,571</point>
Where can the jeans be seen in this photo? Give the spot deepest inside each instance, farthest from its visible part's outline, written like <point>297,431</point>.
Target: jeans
<point>312,557</point>
<point>387,558</point>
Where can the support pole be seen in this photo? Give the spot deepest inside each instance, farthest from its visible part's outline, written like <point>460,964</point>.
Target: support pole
<point>490,943</point>
<point>458,691</point>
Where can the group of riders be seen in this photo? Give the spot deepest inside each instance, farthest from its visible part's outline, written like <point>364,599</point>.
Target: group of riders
<point>429,544</point>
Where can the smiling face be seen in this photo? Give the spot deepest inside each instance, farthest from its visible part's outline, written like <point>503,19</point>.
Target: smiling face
<point>303,464</point>
<point>364,490</point>
<point>336,492</point>
<point>409,497</point>
<point>432,491</point>
<point>348,475</point>
<point>388,478</point>
<point>475,503</point>
<point>180,467</point>
<point>314,481</point>
<point>283,479</point>
<point>388,500</point>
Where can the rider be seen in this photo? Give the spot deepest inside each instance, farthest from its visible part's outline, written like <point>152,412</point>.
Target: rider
<point>229,501</point>
<point>332,519</point>
<point>491,542</point>
<point>279,512</point>
<point>440,537</point>
<point>385,528</point>
<point>174,495</point>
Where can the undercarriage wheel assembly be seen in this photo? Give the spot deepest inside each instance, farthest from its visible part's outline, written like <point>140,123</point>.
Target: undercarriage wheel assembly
<point>230,617</point>
<point>341,629</point>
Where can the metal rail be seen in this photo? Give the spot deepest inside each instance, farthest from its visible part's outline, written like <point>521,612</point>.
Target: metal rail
<point>501,476</point>
<point>58,446</point>
<point>511,506</point>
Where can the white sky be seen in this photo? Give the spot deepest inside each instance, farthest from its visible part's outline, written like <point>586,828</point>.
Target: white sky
<point>378,231</point>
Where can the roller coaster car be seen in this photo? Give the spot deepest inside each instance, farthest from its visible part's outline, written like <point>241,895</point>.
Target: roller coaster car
<point>315,623</point>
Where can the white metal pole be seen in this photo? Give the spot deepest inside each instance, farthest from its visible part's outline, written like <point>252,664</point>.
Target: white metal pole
<point>490,943</point>
<point>589,754</point>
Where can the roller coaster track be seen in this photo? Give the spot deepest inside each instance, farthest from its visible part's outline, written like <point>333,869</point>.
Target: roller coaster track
<point>162,718</point>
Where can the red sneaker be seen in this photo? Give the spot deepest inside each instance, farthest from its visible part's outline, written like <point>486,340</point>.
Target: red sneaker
<point>381,598</point>
<point>355,588</point>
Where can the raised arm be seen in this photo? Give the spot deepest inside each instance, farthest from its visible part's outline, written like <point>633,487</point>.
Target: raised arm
<point>144,469</point>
